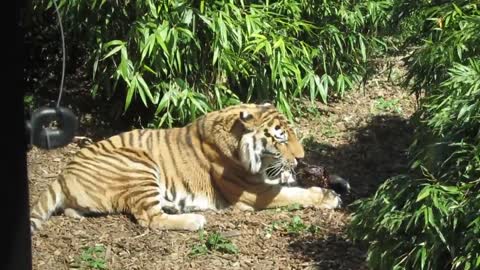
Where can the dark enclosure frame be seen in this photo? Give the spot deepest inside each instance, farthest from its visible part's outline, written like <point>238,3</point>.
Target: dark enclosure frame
<point>16,238</point>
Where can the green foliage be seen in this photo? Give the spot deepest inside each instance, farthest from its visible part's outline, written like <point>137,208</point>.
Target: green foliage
<point>294,207</point>
<point>28,102</point>
<point>429,217</point>
<point>270,229</point>
<point>449,35</point>
<point>183,58</point>
<point>295,226</point>
<point>288,208</point>
<point>387,105</point>
<point>448,138</point>
<point>419,224</point>
<point>330,129</point>
<point>92,258</point>
<point>214,242</point>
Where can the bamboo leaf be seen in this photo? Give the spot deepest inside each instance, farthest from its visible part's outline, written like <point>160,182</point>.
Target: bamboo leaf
<point>113,51</point>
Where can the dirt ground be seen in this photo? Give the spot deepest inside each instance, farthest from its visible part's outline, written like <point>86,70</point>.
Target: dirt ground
<point>363,138</point>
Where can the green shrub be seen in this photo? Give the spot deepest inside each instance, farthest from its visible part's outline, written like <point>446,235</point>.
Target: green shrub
<point>183,58</point>
<point>429,217</point>
<point>450,35</point>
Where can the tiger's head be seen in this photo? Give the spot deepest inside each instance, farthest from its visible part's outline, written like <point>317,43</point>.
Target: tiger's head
<point>268,145</point>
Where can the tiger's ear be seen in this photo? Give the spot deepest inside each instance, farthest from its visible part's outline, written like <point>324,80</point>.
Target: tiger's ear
<point>245,116</point>
<point>244,122</point>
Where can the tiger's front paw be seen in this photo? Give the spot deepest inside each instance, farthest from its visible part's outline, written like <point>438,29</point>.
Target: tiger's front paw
<point>194,222</point>
<point>324,198</point>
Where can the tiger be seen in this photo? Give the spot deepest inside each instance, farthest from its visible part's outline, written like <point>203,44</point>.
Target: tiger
<point>241,156</point>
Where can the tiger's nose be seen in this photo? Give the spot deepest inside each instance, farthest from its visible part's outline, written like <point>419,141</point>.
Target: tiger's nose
<point>297,161</point>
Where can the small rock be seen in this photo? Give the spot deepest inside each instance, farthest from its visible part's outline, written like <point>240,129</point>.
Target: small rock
<point>230,234</point>
<point>108,253</point>
<point>230,225</point>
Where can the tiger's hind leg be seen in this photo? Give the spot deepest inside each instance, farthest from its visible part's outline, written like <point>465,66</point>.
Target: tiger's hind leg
<point>147,208</point>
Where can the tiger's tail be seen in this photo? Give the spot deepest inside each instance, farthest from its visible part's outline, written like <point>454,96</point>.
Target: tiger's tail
<point>49,201</point>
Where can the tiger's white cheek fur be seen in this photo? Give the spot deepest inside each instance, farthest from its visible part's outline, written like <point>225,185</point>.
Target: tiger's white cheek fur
<point>250,153</point>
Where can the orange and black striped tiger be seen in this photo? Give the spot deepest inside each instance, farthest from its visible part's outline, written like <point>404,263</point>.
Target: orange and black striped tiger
<point>240,156</point>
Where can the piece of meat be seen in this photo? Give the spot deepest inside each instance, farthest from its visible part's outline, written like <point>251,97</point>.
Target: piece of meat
<point>309,175</point>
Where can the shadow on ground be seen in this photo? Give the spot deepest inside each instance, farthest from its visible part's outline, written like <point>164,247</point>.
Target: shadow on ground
<point>330,252</point>
<point>376,152</point>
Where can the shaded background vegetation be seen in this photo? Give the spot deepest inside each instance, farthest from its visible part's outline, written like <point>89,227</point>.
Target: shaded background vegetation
<point>180,59</point>
<point>171,61</point>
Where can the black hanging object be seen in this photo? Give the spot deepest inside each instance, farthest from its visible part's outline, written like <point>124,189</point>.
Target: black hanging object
<point>45,137</point>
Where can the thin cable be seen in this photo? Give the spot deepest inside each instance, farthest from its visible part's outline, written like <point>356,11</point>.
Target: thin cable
<point>63,52</point>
